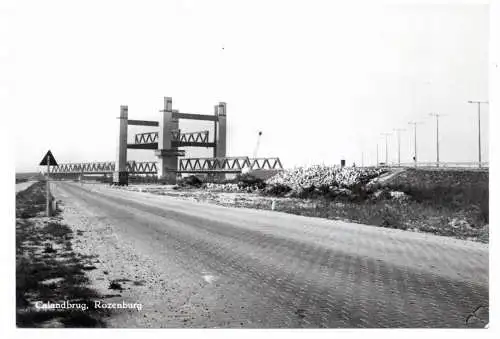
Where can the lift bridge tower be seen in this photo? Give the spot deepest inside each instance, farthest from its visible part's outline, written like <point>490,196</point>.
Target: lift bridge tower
<point>167,141</point>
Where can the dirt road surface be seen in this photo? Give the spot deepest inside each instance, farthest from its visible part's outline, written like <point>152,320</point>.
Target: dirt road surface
<point>24,185</point>
<point>200,265</point>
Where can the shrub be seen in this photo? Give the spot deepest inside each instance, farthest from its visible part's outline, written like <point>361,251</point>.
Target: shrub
<point>390,218</point>
<point>359,192</point>
<point>249,181</point>
<point>191,180</point>
<point>307,193</point>
<point>277,190</point>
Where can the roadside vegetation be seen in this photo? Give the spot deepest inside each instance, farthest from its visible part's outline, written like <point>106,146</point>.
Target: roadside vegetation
<point>47,268</point>
<point>24,177</point>
<point>443,202</point>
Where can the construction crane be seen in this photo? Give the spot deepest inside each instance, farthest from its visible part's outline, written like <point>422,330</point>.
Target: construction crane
<point>256,149</point>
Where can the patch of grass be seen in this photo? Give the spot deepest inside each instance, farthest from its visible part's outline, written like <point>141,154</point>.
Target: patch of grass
<point>392,213</point>
<point>57,231</point>
<point>449,203</point>
<point>452,190</point>
<point>115,285</point>
<point>37,261</point>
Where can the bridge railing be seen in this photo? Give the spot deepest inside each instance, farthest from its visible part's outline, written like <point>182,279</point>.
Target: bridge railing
<point>442,165</point>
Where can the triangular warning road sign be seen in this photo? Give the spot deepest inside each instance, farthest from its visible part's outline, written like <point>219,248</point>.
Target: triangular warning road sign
<point>48,158</point>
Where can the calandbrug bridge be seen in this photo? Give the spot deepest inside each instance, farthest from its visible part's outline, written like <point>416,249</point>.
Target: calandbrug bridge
<point>168,143</point>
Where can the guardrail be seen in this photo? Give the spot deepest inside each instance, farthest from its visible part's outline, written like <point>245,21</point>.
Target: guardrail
<point>435,165</point>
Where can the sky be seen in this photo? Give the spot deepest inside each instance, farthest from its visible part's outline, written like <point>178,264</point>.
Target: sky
<point>321,79</point>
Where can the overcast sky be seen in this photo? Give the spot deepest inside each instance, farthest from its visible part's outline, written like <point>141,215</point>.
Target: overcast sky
<point>321,80</point>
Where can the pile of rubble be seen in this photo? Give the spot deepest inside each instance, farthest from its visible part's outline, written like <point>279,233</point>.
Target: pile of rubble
<point>324,176</point>
<point>221,187</point>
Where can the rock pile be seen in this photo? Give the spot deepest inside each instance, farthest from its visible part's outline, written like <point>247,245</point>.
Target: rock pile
<point>221,187</point>
<point>324,176</point>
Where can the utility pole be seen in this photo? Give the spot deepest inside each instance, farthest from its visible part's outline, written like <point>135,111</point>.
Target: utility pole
<point>479,125</point>
<point>414,123</point>
<point>377,155</point>
<point>386,148</point>
<point>362,160</point>
<point>398,131</point>
<point>437,115</point>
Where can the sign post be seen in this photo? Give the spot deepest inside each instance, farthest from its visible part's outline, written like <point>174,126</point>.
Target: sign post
<point>48,160</point>
<point>48,186</point>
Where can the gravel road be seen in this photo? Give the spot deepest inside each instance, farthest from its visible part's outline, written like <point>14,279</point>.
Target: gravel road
<point>200,265</point>
<point>23,185</point>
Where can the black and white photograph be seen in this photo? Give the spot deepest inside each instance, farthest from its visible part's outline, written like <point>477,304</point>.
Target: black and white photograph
<point>271,165</point>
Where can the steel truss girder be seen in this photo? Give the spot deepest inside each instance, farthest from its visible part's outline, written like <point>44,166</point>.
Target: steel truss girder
<point>228,164</point>
<point>189,165</point>
<point>133,167</point>
<point>189,137</point>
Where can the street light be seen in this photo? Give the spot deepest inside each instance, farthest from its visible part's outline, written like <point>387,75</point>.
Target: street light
<point>437,115</point>
<point>479,124</point>
<point>386,148</point>
<point>414,123</point>
<point>399,130</point>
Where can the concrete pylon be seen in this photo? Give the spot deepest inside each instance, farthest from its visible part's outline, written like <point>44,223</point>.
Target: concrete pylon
<point>220,150</point>
<point>120,176</point>
<point>216,113</point>
<point>221,133</point>
<point>167,161</point>
<point>175,128</point>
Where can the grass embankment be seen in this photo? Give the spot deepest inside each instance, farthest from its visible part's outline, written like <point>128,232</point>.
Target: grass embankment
<point>443,202</point>
<point>26,176</point>
<point>47,268</point>
<point>448,203</point>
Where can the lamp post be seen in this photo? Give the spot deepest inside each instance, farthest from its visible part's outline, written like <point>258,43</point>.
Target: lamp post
<point>386,148</point>
<point>414,123</point>
<point>398,131</point>
<point>479,125</point>
<point>437,115</point>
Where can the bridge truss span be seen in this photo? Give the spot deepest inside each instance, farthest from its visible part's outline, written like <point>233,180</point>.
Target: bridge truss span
<point>228,164</point>
<point>188,165</point>
<point>152,137</point>
<point>106,167</point>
